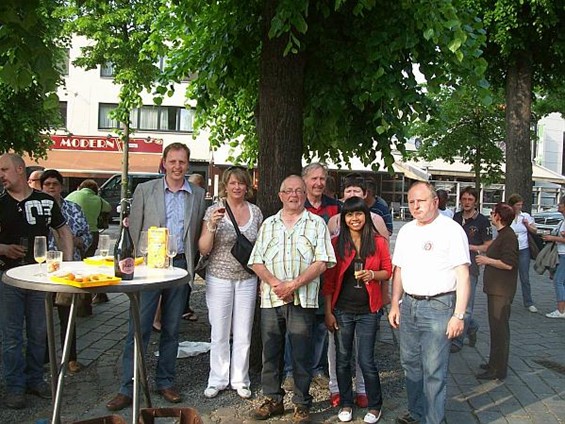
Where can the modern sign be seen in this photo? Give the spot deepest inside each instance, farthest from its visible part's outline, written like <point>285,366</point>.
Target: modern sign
<point>106,144</point>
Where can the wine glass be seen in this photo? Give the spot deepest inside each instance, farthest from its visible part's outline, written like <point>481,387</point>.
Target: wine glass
<point>171,249</point>
<point>221,205</point>
<point>24,242</point>
<point>143,244</point>
<point>358,267</point>
<point>104,245</point>
<point>40,251</point>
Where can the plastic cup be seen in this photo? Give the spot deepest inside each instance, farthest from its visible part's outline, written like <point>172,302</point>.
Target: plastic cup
<point>54,260</point>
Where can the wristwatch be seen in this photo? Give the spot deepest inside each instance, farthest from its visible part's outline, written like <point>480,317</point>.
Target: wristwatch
<point>459,315</point>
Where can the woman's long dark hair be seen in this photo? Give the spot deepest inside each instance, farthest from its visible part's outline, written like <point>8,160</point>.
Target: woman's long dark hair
<point>345,242</point>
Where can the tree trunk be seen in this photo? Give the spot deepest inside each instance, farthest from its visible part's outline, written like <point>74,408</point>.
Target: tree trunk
<point>518,115</point>
<point>280,130</point>
<point>125,166</point>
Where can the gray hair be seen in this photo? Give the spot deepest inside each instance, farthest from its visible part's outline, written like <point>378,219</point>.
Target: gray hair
<point>313,166</point>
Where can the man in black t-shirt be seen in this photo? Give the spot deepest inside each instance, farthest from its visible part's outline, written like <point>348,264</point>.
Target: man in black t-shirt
<point>479,232</point>
<point>24,214</point>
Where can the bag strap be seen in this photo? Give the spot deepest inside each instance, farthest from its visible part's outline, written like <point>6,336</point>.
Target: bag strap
<point>232,218</point>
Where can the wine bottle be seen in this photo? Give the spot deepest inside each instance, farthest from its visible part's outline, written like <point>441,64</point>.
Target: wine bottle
<point>124,251</point>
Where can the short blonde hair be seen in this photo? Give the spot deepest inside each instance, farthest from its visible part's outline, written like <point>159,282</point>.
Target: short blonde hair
<point>240,174</point>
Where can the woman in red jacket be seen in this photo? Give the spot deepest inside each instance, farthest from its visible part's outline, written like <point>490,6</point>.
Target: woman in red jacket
<point>354,300</point>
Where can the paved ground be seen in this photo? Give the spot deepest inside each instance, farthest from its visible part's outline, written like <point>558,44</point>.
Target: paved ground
<point>534,391</point>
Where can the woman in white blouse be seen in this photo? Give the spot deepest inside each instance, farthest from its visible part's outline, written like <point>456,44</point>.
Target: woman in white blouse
<point>522,224</point>
<point>230,289</point>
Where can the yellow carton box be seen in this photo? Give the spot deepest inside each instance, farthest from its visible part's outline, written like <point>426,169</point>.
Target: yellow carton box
<point>157,247</point>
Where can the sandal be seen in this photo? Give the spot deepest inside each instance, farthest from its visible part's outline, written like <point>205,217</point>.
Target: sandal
<point>190,316</point>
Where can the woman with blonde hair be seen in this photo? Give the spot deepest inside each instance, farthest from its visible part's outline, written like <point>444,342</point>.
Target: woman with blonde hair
<point>230,289</point>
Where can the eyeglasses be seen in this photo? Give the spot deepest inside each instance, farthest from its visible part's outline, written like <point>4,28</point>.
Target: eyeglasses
<point>290,191</point>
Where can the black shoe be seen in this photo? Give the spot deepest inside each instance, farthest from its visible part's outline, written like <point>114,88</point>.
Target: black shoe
<point>473,338</point>
<point>15,401</point>
<point>454,348</point>
<point>406,419</point>
<point>489,375</point>
<point>42,390</point>
<point>485,366</point>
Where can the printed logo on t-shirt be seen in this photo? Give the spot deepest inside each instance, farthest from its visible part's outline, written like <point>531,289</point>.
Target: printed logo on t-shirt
<point>34,208</point>
<point>428,245</point>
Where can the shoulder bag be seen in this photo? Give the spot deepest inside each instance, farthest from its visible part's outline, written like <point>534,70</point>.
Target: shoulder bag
<point>535,244</point>
<point>242,248</point>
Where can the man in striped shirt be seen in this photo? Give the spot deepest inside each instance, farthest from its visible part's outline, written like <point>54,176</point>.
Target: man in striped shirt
<point>292,249</point>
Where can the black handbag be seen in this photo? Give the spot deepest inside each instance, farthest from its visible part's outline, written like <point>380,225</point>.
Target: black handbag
<point>535,244</point>
<point>200,268</point>
<point>242,248</point>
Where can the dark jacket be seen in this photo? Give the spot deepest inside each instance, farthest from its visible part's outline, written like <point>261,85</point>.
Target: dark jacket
<point>502,282</point>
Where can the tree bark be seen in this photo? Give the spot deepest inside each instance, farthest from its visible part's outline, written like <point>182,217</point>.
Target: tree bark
<point>518,116</point>
<point>280,130</point>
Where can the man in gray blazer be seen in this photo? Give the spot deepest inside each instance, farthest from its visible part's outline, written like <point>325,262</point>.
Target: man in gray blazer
<point>174,203</point>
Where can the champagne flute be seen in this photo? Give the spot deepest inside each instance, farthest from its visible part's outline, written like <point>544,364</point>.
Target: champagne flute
<point>143,244</point>
<point>358,267</point>
<point>104,245</point>
<point>24,242</point>
<point>171,249</point>
<point>40,251</point>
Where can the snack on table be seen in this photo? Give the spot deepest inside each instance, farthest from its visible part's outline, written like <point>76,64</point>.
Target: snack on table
<point>85,280</point>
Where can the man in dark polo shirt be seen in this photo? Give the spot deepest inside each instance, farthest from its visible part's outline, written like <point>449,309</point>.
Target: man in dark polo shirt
<point>479,232</point>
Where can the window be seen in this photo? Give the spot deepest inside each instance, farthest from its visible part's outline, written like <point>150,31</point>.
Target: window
<point>63,112</point>
<point>107,70</point>
<point>151,118</point>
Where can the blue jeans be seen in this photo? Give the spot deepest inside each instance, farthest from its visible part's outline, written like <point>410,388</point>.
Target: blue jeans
<point>297,323</point>
<point>424,355</point>
<point>23,365</point>
<point>471,325</point>
<point>524,272</point>
<point>173,301</point>
<point>559,280</point>
<point>365,327</point>
<point>319,348</point>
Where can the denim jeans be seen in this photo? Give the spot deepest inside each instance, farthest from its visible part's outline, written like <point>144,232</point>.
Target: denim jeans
<point>276,323</point>
<point>23,363</point>
<point>471,325</point>
<point>559,280</point>
<point>173,301</point>
<point>424,355</point>
<point>364,326</point>
<point>524,272</point>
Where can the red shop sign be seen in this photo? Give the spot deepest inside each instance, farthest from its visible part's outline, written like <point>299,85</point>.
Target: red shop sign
<point>106,144</point>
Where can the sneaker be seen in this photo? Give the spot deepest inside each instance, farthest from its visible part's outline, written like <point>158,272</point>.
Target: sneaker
<point>373,416</point>
<point>268,409</point>
<point>15,401</point>
<point>361,400</point>
<point>345,415</point>
<point>555,314</point>
<point>532,309</point>
<point>321,381</point>
<point>288,384</point>
<point>244,392</point>
<point>406,419</point>
<point>335,399</point>
<point>301,415</point>
<point>211,392</point>
<point>42,390</point>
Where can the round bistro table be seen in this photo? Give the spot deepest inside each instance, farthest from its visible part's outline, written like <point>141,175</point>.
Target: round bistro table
<point>27,277</point>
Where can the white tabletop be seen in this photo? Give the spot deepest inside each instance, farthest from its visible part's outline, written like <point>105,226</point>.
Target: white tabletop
<point>145,278</point>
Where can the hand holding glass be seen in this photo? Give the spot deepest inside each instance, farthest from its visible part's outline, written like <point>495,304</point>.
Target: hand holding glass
<point>358,268</point>
<point>172,249</point>
<point>24,243</point>
<point>40,251</point>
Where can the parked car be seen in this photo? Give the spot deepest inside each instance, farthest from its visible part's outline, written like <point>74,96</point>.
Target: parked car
<point>547,221</point>
<point>112,188</point>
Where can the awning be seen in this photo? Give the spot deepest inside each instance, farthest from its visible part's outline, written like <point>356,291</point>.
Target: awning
<point>540,173</point>
<point>411,171</point>
<point>87,164</point>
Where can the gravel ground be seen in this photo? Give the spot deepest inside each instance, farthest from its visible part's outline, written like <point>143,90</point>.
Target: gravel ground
<point>86,393</point>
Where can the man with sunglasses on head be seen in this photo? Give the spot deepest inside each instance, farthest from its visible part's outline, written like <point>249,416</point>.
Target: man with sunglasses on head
<point>292,250</point>
<point>24,214</point>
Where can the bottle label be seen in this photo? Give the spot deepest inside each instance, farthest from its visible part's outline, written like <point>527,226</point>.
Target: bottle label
<point>127,265</point>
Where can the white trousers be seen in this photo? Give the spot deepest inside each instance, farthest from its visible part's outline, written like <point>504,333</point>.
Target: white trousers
<point>359,381</point>
<point>231,306</point>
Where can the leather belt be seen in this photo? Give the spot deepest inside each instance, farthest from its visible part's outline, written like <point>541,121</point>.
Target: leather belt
<point>417,297</point>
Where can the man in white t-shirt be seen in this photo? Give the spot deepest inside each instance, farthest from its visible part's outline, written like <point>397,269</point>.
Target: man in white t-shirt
<point>429,296</point>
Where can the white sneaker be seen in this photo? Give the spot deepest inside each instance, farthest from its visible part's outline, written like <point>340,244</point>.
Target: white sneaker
<point>244,392</point>
<point>211,392</point>
<point>372,418</point>
<point>345,415</point>
<point>532,309</point>
<point>555,314</point>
